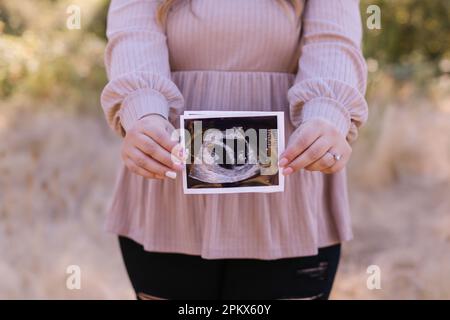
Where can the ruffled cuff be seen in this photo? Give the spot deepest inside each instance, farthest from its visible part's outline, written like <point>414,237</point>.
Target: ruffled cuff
<point>323,108</point>
<point>140,103</point>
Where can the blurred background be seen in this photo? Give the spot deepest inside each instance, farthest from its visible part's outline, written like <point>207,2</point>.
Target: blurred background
<point>58,159</point>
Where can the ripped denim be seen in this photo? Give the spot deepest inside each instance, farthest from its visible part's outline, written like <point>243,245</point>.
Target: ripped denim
<point>157,276</point>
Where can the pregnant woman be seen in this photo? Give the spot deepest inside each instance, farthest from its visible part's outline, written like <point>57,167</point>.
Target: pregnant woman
<point>296,56</point>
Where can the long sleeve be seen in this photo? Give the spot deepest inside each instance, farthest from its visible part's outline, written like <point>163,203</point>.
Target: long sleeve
<point>332,74</point>
<point>137,65</point>
<point>235,55</point>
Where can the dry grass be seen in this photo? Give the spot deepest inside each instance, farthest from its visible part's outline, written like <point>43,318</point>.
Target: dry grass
<point>58,169</point>
<point>405,230</point>
<point>400,187</point>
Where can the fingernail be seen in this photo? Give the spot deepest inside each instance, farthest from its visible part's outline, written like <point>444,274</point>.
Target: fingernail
<point>283,162</point>
<point>287,171</point>
<point>171,174</point>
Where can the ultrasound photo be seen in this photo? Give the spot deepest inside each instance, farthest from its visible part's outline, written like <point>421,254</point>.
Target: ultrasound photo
<point>232,152</point>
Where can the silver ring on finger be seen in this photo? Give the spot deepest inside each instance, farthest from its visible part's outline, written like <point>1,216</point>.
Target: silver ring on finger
<point>336,156</point>
<point>328,160</point>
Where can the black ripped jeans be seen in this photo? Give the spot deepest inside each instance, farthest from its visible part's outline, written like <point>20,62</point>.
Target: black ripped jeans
<point>179,276</point>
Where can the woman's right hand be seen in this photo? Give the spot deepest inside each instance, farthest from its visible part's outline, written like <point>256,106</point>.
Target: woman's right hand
<point>147,148</point>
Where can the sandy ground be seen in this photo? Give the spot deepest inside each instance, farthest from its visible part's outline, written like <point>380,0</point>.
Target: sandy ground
<point>405,231</point>
<point>57,173</point>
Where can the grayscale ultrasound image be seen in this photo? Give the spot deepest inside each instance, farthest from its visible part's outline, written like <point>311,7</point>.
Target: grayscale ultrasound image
<point>232,152</point>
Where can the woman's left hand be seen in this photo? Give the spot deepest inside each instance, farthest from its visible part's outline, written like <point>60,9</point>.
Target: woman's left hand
<point>316,145</point>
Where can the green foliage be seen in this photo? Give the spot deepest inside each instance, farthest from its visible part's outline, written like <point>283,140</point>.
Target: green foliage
<point>97,24</point>
<point>41,58</point>
<point>414,37</point>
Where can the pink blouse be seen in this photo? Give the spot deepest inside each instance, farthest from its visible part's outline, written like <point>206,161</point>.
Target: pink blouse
<point>235,55</point>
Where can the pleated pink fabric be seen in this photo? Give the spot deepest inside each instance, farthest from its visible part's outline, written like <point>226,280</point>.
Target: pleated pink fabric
<point>235,55</point>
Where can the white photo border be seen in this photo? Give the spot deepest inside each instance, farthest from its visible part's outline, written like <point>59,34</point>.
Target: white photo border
<point>234,114</point>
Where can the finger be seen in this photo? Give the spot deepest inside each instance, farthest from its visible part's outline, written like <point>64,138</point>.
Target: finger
<point>162,136</point>
<point>178,155</point>
<point>134,168</point>
<point>151,148</point>
<point>150,164</point>
<point>298,143</point>
<point>316,151</point>
<point>323,163</point>
<point>339,164</point>
<point>345,150</point>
